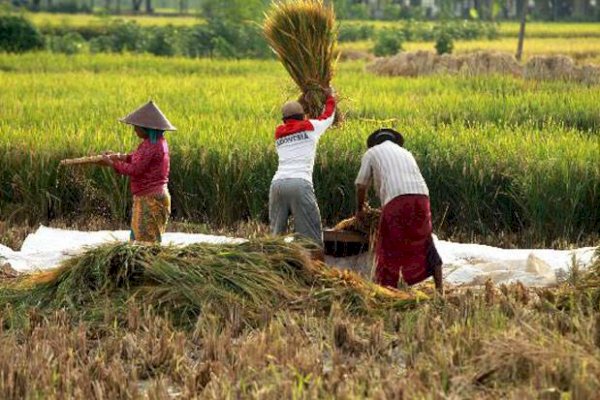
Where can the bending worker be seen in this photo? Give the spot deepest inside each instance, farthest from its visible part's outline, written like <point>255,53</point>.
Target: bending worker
<point>404,242</point>
<point>292,191</point>
<point>148,171</point>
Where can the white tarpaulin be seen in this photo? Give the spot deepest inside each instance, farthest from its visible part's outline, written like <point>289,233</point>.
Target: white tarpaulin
<point>463,263</point>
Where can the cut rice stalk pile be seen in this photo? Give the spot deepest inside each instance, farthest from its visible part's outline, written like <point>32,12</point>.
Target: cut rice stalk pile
<point>303,34</point>
<point>368,225</point>
<point>591,278</point>
<point>422,63</point>
<point>249,279</point>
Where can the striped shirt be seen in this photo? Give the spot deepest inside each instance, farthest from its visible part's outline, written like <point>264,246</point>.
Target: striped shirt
<point>394,171</point>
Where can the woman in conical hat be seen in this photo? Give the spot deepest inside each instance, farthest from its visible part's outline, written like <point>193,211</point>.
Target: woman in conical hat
<point>148,171</point>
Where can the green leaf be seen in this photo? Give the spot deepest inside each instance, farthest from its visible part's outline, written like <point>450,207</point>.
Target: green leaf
<point>473,13</point>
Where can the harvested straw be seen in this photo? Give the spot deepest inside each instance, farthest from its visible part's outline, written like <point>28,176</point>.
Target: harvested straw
<point>559,67</point>
<point>368,225</point>
<point>427,63</point>
<point>186,281</point>
<point>591,279</point>
<point>590,74</point>
<point>551,68</point>
<point>7,271</point>
<point>303,34</point>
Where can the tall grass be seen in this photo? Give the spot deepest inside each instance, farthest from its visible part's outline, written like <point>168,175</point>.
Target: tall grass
<point>501,155</point>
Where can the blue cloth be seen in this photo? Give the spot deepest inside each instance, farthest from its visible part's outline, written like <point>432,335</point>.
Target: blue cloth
<point>154,134</point>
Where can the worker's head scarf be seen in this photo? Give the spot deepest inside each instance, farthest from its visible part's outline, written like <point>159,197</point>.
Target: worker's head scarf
<point>154,134</point>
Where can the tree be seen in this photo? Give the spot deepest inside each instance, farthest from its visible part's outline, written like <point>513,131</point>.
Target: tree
<point>524,9</point>
<point>149,8</point>
<point>183,6</point>
<point>580,8</point>
<point>136,5</point>
<point>233,10</point>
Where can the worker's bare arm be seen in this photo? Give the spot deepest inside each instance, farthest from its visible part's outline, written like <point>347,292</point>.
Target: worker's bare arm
<point>361,198</point>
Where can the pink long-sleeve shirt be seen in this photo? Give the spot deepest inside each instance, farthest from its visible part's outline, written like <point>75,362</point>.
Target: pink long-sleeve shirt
<point>147,167</point>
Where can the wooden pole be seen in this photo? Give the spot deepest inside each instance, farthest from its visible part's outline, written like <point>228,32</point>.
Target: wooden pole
<point>524,8</point>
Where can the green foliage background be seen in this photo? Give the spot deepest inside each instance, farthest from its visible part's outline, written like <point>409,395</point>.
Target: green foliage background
<point>500,155</point>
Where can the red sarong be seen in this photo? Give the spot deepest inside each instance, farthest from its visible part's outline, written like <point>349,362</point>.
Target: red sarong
<point>404,242</point>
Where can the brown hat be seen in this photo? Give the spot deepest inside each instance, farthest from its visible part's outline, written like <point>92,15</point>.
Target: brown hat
<point>149,116</point>
<point>292,108</point>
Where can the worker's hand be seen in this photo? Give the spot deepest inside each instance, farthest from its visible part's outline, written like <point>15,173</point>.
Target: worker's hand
<point>115,156</point>
<point>361,214</point>
<point>107,160</point>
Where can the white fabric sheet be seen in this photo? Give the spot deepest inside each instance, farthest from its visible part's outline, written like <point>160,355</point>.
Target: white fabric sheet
<point>467,264</point>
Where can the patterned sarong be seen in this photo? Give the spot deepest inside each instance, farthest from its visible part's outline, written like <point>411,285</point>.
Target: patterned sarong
<point>150,216</point>
<point>404,243</point>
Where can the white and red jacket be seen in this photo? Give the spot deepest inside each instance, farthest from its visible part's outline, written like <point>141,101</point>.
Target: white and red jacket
<point>296,143</point>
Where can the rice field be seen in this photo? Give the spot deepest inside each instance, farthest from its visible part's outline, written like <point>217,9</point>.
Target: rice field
<point>535,29</point>
<point>581,50</point>
<point>502,156</point>
<point>42,19</point>
<point>506,28</point>
<point>509,162</point>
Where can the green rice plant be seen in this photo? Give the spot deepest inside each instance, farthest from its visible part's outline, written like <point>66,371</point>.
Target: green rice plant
<point>503,158</point>
<point>303,34</point>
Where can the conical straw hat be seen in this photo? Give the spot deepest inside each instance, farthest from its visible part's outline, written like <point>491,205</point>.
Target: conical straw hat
<point>149,116</point>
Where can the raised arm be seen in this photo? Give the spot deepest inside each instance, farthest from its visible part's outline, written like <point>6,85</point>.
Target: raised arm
<point>325,120</point>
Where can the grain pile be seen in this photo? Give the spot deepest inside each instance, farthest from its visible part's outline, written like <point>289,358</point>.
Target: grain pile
<point>427,63</point>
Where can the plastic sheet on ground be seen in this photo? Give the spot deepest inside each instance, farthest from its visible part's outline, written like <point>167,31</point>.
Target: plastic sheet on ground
<point>47,247</point>
<point>468,264</point>
<point>473,264</point>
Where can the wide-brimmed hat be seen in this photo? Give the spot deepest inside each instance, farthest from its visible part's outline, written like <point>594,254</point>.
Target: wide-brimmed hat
<point>383,134</point>
<point>292,108</point>
<point>149,116</point>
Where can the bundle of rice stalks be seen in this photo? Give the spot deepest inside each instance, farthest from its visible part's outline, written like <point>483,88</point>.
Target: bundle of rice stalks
<point>368,225</point>
<point>559,67</point>
<point>303,34</point>
<point>7,272</point>
<point>591,278</point>
<point>556,67</point>
<point>251,278</point>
